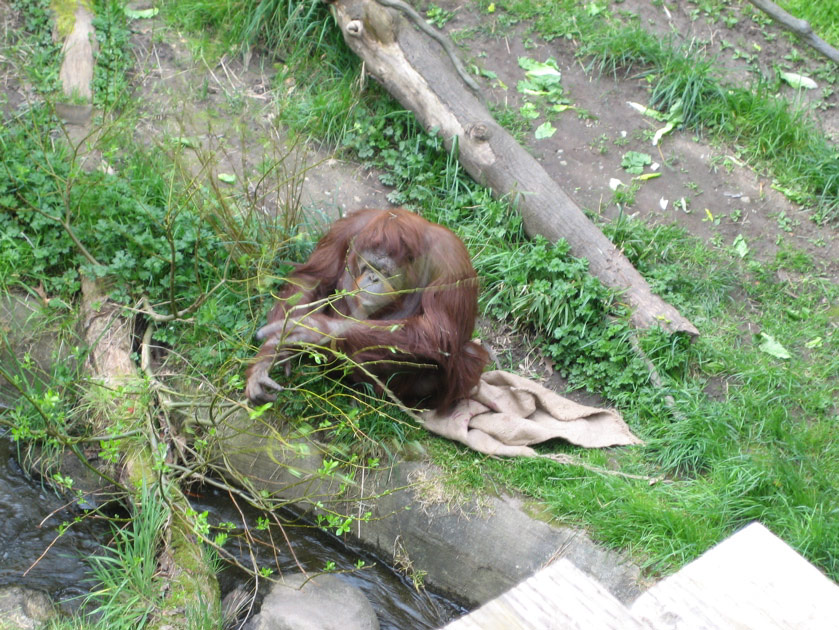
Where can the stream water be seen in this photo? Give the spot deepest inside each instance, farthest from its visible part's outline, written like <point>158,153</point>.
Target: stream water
<point>398,605</point>
<point>31,552</point>
<point>33,555</point>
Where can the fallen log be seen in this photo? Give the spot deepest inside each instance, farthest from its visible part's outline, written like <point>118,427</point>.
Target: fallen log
<point>418,74</point>
<point>190,579</point>
<point>117,388</point>
<point>801,28</point>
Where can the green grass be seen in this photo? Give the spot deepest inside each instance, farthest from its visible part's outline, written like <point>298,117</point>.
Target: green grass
<point>750,435</point>
<point>317,76</point>
<point>127,574</point>
<point>127,586</point>
<point>36,52</point>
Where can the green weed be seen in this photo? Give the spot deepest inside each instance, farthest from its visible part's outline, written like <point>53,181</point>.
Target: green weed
<point>114,60</point>
<point>37,53</point>
<point>128,588</point>
<point>820,15</point>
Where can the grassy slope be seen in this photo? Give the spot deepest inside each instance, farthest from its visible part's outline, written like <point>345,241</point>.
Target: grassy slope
<point>752,436</point>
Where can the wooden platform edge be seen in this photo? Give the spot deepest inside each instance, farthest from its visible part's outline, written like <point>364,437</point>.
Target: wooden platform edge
<point>559,597</point>
<point>752,580</point>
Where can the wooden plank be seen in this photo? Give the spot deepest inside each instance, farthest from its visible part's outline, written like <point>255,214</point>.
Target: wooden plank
<point>559,597</point>
<point>752,580</point>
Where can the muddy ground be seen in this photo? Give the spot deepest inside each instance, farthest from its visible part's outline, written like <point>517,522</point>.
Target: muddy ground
<point>586,151</point>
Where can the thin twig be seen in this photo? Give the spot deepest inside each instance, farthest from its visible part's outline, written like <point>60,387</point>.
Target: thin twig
<point>563,458</point>
<point>149,311</point>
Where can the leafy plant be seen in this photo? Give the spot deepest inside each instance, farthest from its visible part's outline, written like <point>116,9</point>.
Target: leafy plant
<point>634,162</point>
<point>438,16</point>
<point>114,59</point>
<point>38,52</point>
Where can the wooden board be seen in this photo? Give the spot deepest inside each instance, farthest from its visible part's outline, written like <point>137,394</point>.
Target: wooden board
<point>752,580</point>
<point>559,597</point>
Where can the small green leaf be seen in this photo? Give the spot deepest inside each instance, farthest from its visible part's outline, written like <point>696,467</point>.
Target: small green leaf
<point>770,345</point>
<point>662,132</point>
<point>634,162</point>
<point>227,178</point>
<point>545,130</point>
<point>529,111</point>
<point>740,246</point>
<point>799,81</point>
<point>594,9</point>
<point>184,142</point>
<point>541,79</point>
<point>652,113</point>
<point>535,68</point>
<point>141,14</point>
<point>529,88</point>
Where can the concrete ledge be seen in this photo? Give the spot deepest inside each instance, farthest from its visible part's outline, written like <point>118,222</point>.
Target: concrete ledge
<point>472,552</point>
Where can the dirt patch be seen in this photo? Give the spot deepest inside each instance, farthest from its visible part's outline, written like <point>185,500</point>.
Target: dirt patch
<point>225,116</point>
<point>703,187</point>
<point>13,92</point>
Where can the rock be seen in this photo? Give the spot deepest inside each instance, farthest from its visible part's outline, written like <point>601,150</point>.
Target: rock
<point>24,608</point>
<point>476,550</point>
<point>326,602</point>
<point>32,337</point>
<point>470,548</point>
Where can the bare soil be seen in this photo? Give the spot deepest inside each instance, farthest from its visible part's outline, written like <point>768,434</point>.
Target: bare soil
<point>228,114</point>
<point>585,152</point>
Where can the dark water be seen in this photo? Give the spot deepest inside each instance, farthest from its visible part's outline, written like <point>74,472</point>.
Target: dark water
<point>28,532</point>
<point>30,517</point>
<point>397,603</point>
